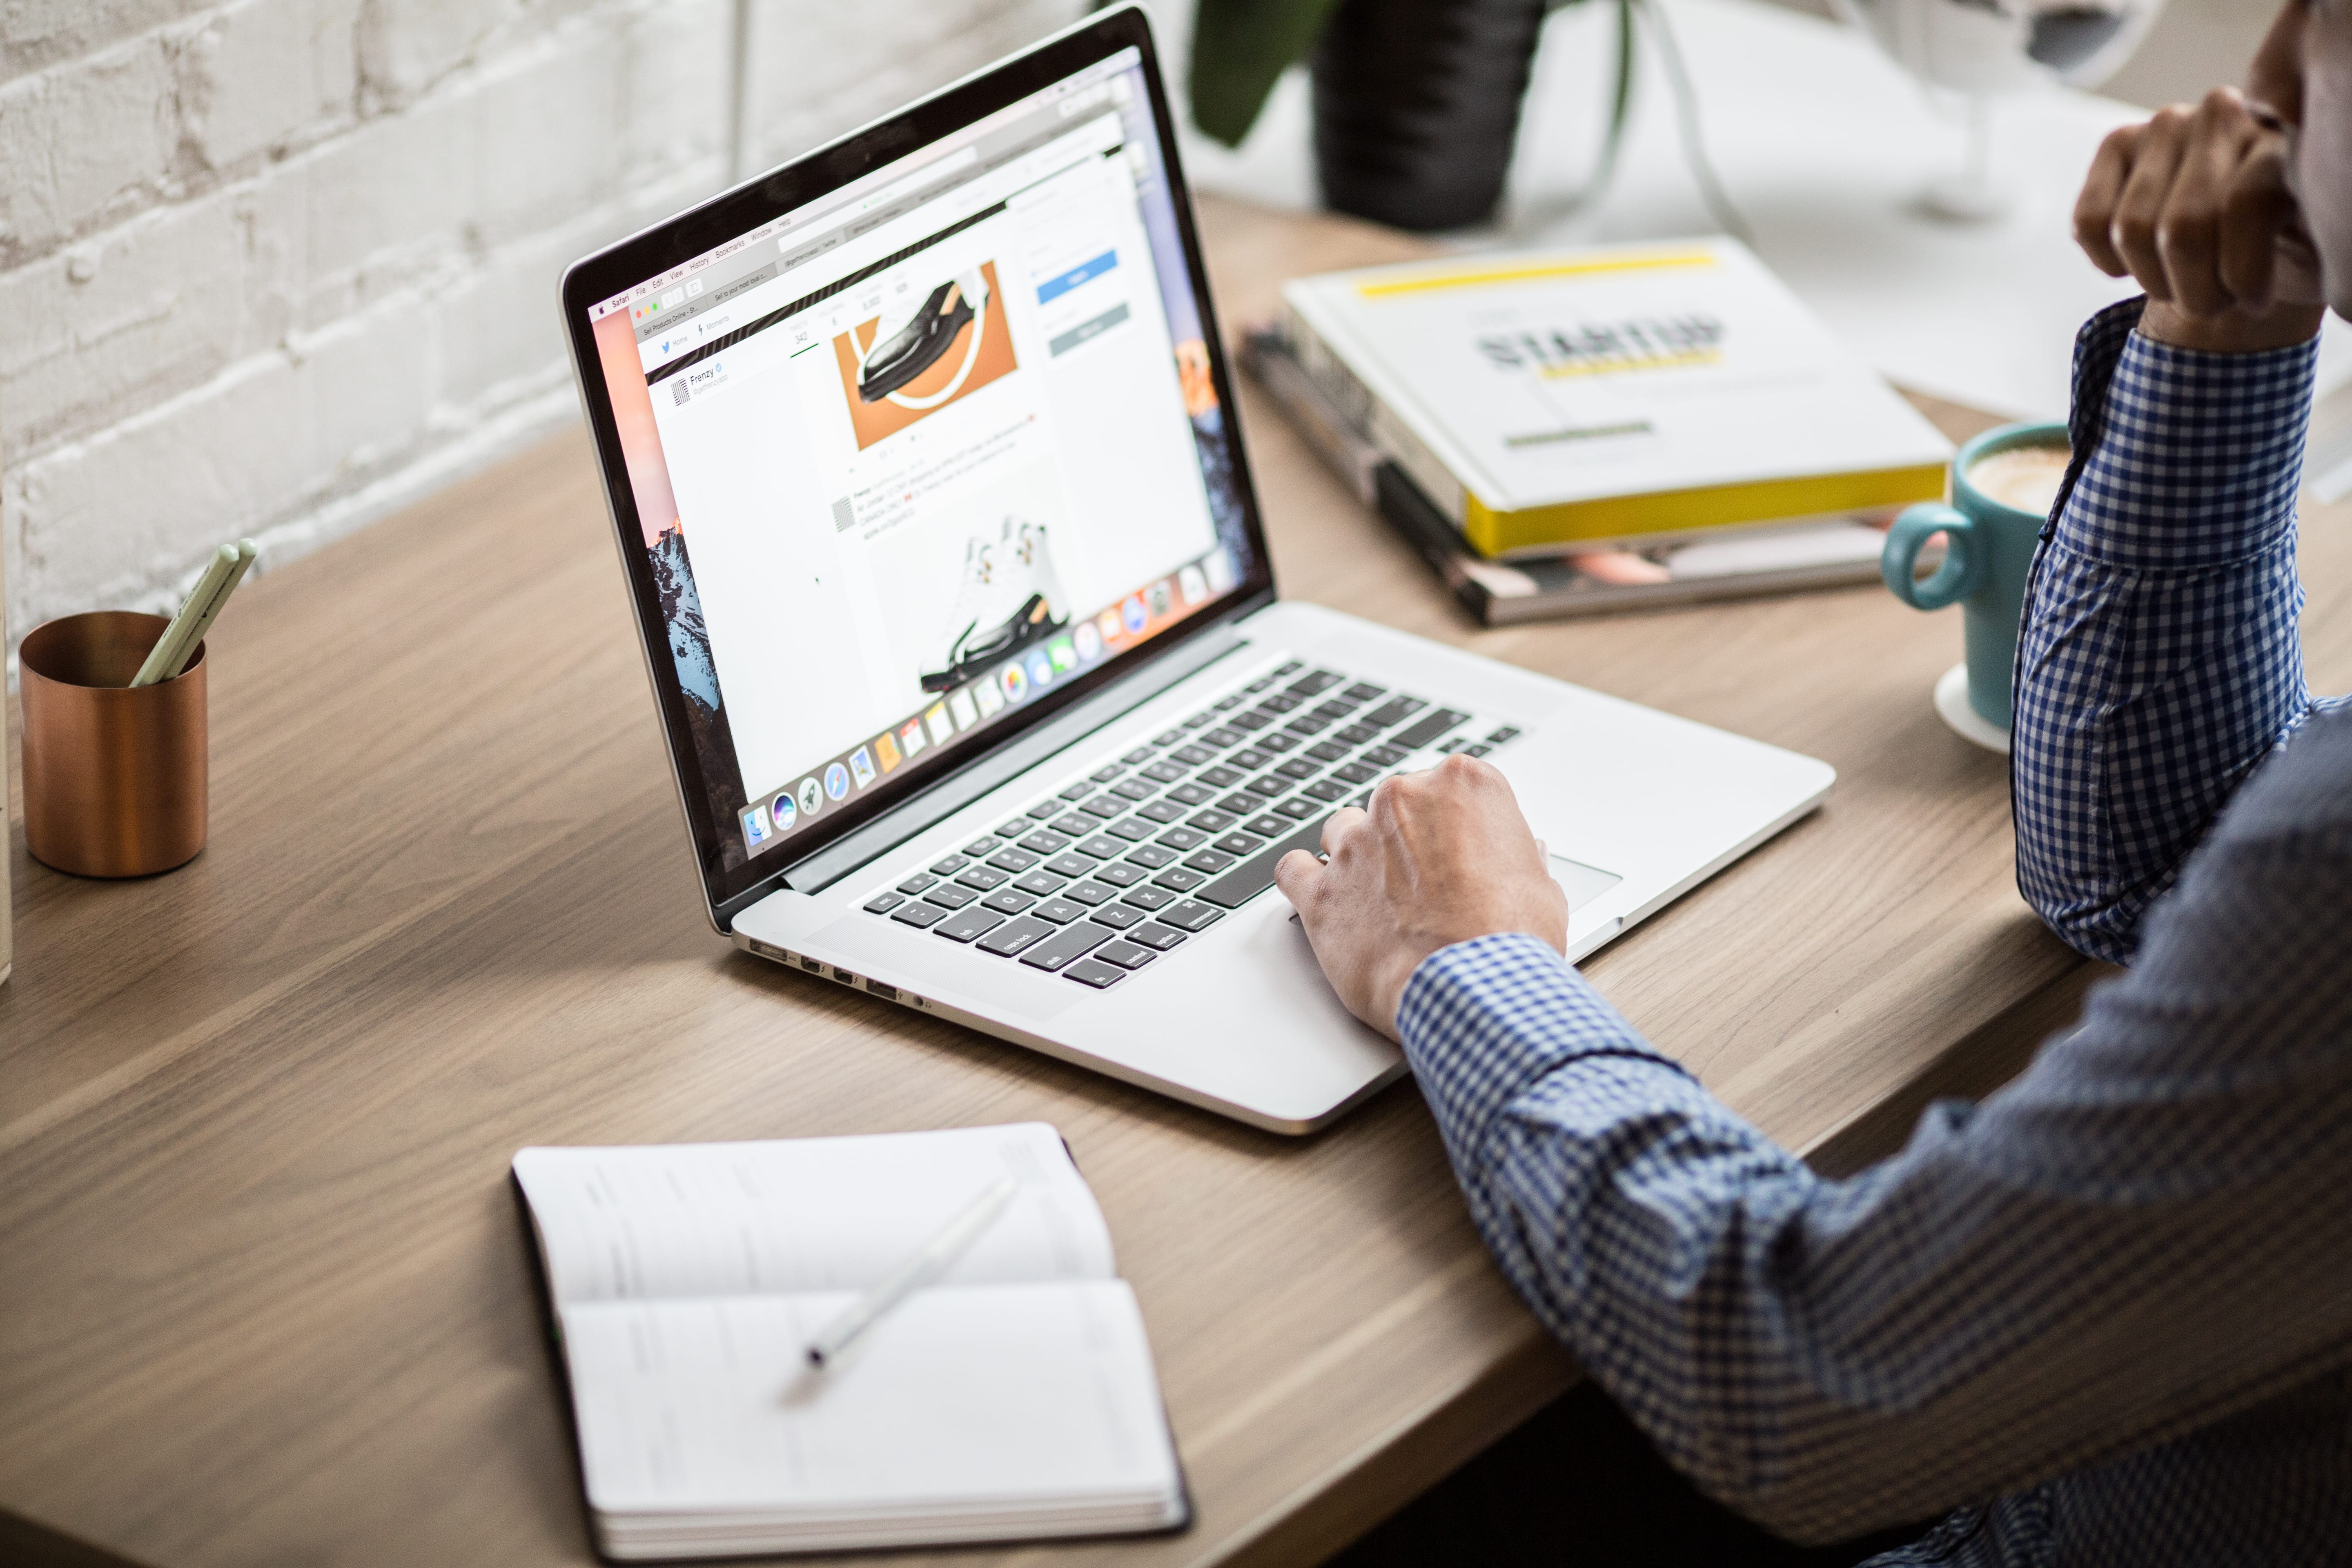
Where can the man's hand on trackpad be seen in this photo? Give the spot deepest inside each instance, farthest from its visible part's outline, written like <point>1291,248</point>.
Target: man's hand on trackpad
<point>1441,857</point>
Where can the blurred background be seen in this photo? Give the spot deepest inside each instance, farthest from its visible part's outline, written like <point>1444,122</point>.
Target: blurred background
<point>277,267</point>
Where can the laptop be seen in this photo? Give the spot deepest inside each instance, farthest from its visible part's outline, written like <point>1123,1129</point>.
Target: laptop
<point>923,466</point>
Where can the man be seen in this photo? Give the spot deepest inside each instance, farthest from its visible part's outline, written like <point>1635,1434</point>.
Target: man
<point>2107,1315</point>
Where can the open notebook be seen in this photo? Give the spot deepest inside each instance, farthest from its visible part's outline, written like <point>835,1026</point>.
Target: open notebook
<point>1015,1397</point>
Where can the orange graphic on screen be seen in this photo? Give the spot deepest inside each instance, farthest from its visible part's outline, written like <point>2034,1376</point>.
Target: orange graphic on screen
<point>943,345</point>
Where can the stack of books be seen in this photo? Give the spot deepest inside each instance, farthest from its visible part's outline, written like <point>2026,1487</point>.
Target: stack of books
<point>1561,434</point>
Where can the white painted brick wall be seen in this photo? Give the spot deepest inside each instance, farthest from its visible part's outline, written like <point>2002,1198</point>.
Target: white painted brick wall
<point>275,266</point>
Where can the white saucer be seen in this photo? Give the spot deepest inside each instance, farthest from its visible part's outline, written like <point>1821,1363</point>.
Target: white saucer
<point>1952,706</point>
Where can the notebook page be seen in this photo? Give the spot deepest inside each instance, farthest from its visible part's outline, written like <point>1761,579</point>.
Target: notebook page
<point>959,1399</point>
<point>804,1214</point>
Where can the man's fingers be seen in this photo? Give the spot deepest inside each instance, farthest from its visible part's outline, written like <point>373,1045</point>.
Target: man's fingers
<point>2094,209</point>
<point>2255,210</point>
<point>1336,826</point>
<point>2132,228</point>
<point>2188,230</point>
<point>1295,874</point>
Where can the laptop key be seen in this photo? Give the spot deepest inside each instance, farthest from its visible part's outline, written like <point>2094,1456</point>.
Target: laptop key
<point>1151,857</point>
<point>1237,802</point>
<point>1279,703</point>
<point>1210,860</point>
<point>981,848</point>
<point>918,882</point>
<point>1119,874</point>
<point>1249,760</point>
<point>1124,954</point>
<point>1138,757</point>
<point>1159,811</point>
<point>1193,756</point>
<point>1191,794</point>
<point>1148,897</point>
<point>1362,691</point>
<point>1315,685</point>
<point>1268,785</point>
<point>1222,737</point>
<point>1191,917</point>
<point>1235,844</point>
<point>1164,772</point>
<point>1277,742</point>
<point>1134,789</point>
<point>1104,806</point>
<point>1168,737</point>
<point>1101,976</point>
<point>1299,768</point>
<point>918,915</point>
<point>1044,841</point>
<point>1180,879</point>
<point>1103,846</point>
<point>1267,827</point>
<point>1328,789</point>
<point>1299,808</point>
<point>1507,732</point>
<point>1182,838</point>
<point>1395,711</point>
<point>1106,772</point>
<point>1041,883</point>
<point>1007,901</point>
<point>1154,935</point>
<point>1013,860</point>
<point>1119,917</point>
<point>1070,866</point>
<point>1385,756</point>
<point>1250,720</point>
<point>1072,941</point>
<point>1079,791</point>
<point>947,895</point>
<point>1356,734</point>
<point>1205,716</point>
<point>982,878</point>
<point>1228,702</point>
<point>883,903</point>
<point>1327,750</point>
<point>1013,935</point>
<point>1089,893</point>
<point>1211,821</point>
<point>967,925</point>
<point>1132,831</point>
<point>1221,777</point>
<point>1260,684</point>
<point>1357,773</point>
<point>1073,825</point>
<point>1014,828</point>
<point>1254,875</point>
<point>1423,730</point>
<point>1045,808</point>
<point>1061,911</point>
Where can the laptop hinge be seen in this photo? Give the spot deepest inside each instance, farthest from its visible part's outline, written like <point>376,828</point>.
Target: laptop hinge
<point>960,789</point>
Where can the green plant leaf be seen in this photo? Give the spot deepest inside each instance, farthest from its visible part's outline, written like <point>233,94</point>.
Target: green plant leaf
<point>1239,49</point>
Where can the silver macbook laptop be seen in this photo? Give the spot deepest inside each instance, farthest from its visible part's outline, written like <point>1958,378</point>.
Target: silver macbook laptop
<point>923,467</point>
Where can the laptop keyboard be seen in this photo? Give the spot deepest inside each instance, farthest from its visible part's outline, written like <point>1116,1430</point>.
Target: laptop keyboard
<point>1157,844</point>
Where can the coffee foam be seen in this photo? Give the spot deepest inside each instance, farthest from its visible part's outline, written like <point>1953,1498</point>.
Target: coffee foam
<point>2025,478</point>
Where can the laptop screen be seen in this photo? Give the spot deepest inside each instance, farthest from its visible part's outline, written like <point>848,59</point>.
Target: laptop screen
<point>912,460</point>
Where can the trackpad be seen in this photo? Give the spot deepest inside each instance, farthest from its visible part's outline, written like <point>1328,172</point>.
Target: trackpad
<point>1581,882</point>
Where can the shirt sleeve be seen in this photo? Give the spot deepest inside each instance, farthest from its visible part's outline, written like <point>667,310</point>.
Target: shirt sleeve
<point>2159,660</point>
<point>2054,1276</point>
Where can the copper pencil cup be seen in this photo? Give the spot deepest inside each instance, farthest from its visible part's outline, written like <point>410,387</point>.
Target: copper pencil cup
<point>115,778</point>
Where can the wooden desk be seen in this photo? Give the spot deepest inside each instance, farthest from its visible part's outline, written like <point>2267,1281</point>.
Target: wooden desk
<point>264,1294</point>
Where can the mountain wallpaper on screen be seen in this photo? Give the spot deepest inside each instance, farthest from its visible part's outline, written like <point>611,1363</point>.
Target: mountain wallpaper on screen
<point>697,677</point>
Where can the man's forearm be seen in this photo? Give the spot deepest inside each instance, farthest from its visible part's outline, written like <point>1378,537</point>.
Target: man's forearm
<point>2158,660</point>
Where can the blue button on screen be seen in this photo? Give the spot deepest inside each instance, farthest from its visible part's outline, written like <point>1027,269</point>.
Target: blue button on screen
<point>1053,289</point>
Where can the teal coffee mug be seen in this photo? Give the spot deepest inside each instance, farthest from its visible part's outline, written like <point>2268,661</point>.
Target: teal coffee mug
<point>1992,529</point>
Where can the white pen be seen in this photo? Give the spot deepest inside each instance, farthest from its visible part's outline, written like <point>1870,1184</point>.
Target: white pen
<point>929,1259</point>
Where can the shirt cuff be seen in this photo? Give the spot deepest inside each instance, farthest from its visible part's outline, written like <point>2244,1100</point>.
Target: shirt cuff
<point>1484,1020</point>
<point>2194,458</point>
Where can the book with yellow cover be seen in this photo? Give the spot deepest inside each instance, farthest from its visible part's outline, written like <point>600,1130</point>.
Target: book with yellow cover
<point>1616,393</point>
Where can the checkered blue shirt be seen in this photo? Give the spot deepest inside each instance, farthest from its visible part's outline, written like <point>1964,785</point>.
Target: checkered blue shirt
<point>2103,1316</point>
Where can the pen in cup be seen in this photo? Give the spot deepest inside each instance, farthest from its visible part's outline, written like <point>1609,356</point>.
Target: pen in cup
<point>930,1259</point>
<point>180,639</point>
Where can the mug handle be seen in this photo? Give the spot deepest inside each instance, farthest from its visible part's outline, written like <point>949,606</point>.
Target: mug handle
<point>1963,572</point>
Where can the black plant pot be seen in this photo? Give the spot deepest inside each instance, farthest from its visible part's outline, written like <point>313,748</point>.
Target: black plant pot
<point>1416,105</point>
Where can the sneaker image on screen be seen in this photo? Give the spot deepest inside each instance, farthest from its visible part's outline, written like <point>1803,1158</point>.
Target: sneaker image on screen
<point>1010,598</point>
<point>903,351</point>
